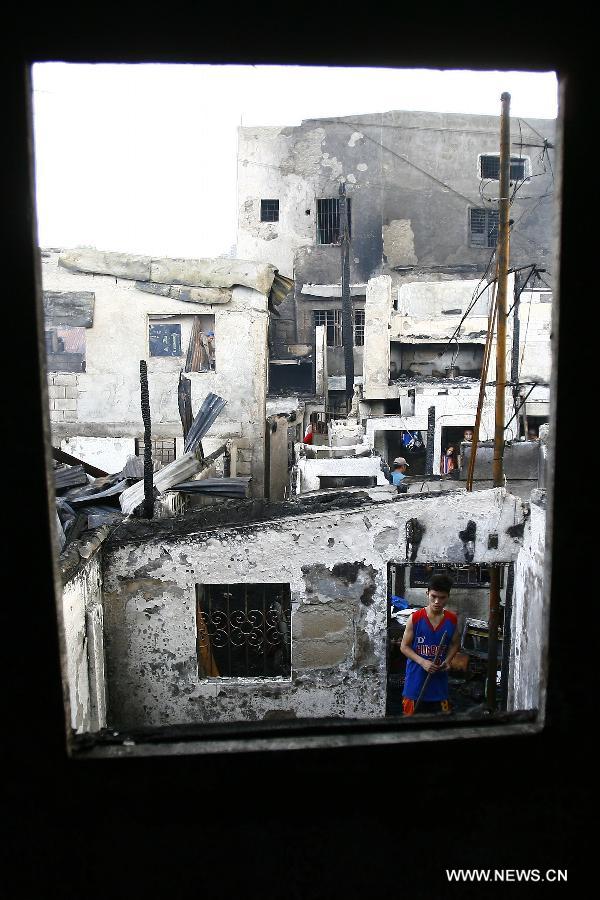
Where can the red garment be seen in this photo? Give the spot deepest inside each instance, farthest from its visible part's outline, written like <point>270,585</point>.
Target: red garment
<point>308,437</point>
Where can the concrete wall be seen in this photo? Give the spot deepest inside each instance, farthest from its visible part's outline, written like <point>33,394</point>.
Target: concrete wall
<point>411,178</point>
<point>349,466</point>
<point>106,397</point>
<point>527,668</point>
<point>83,628</point>
<point>336,565</point>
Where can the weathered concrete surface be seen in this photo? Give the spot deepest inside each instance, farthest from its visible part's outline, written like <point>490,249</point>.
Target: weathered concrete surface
<point>203,273</point>
<point>527,666</point>
<point>310,470</point>
<point>83,629</point>
<point>411,175</point>
<point>336,565</point>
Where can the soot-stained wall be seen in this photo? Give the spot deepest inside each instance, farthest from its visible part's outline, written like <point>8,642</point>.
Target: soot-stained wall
<point>335,563</point>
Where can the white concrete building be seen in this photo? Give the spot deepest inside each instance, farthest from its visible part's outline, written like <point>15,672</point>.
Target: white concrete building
<point>107,311</point>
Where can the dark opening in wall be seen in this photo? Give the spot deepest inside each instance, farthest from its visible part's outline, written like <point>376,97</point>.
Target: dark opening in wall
<point>269,210</point>
<point>483,227</point>
<point>437,360</point>
<point>243,630</point>
<point>163,450</point>
<point>490,167</point>
<point>332,319</point>
<point>328,220</point>
<point>65,348</point>
<point>291,375</point>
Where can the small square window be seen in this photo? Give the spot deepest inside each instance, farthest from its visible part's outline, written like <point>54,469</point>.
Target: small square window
<point>483,227</point>
<point>269,210</point>
<point>165,340</point>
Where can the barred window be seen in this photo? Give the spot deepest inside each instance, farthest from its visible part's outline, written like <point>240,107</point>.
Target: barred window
<point>243,630</point>
<point>328,220</point>
<point>163,449</point>
<point>483,227</point>
<point>332,319</point>
<point>269,210</point>
<point>359,327</point>
<point>490,167</point>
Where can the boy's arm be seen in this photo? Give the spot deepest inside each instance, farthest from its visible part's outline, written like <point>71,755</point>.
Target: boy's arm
<point>453,649</point>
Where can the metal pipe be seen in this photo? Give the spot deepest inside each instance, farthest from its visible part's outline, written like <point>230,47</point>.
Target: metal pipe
<point>148,475</point>
<point>347,331</point>
<point>503,254</point>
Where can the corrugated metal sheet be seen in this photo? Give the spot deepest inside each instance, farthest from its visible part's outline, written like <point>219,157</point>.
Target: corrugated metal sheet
<point>225,487</point>
<point>208,412</point>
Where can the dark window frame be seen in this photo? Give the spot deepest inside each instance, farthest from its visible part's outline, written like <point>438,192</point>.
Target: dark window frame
<point>492,162</point>
<point>269,210</point>
<point>248,638</point>
<point>487,227</point>
<point>328,220</point>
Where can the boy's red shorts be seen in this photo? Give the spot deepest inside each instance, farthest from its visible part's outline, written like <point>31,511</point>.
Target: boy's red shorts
<point>408,706</point>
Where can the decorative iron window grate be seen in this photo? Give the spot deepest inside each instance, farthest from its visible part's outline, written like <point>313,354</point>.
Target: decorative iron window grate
<point>243,630</point>
<point>328,220</point>
<point>476,575</point>
<point>165,340</point>
<point>269,210</point>
<point>332,319</point>
<point>483,227</point>
<point>163,450</point>
<point>490,168</point>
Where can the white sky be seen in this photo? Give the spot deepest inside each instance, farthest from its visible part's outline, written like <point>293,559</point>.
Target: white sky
<point>142,158</point>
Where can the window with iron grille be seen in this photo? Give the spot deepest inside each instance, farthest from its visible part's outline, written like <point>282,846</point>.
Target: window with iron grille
<point>269,210</point>
<point>490,167</point>
<point>332,319</point>
<point>165,340</point>
<point>163,449</point>
<point>243,630</point>
<point>483,227</point>
<point>359,327</point>
<point>476,575</point>
<point>328,220</point>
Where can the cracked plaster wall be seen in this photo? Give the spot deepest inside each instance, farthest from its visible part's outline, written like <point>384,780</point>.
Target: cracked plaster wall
<point>336,566</point>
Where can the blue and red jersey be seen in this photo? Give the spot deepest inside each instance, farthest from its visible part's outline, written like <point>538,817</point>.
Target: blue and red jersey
<point>425,642</point>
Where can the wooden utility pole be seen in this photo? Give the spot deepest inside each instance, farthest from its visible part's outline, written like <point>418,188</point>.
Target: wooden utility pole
<point>501,306</point>
<point>347,330</point>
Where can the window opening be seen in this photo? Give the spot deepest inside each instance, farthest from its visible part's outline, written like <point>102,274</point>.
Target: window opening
<point>359,327</point>
<point>490,167</point>
<point>269,210</point>
<point>243,630</point>
<point>332,319</point>
<point>328,220</point>
<point>201,348</point>
<point>65,348</point>
<point>163,449</point>
<point>483,227</point>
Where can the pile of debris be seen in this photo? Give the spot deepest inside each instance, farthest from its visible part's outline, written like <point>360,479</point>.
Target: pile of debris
<point>88,498</point>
